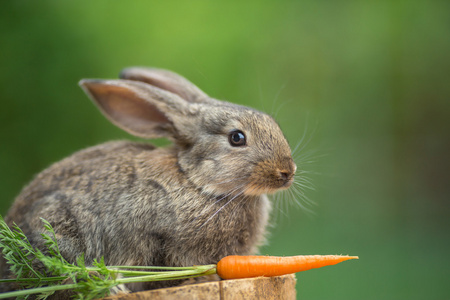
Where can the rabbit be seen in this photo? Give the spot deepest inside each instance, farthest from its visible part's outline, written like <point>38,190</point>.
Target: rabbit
<point>194,202</point>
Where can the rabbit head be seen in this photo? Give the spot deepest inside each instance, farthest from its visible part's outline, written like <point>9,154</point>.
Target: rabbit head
<point>223,148</point>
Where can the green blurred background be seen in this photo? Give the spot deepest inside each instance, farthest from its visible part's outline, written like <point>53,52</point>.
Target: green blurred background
<point>368,82</point>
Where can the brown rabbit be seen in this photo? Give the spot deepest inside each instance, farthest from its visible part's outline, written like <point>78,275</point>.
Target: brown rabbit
<point>191,203</point>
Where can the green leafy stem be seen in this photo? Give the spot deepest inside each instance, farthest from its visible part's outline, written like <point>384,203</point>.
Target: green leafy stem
<point>88,282</point>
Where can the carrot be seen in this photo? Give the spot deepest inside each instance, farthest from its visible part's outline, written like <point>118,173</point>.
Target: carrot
<point>235,266</point>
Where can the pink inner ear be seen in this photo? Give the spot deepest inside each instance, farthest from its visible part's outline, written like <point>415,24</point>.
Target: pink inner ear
<point>128,110</point>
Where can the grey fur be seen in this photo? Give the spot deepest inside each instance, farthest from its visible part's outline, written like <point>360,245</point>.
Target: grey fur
<point>191,203</point>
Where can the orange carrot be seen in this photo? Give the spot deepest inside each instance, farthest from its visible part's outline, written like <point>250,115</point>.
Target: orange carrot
<point>235,266</point>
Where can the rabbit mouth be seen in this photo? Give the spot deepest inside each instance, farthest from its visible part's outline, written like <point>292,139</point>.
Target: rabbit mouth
<point>257,190</point>
<point>270,184</point>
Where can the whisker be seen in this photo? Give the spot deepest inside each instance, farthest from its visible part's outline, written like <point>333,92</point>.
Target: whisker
<point>207,208</point>
<point>238,206</point>
<point>296,197</point>
<point>261,94</point>
<point>280,207</point>
<point>309,157</point>
<point>229,194</point>
<point>301,195</point>
<point>294,152</point>
<point>305,182</point>
<point>222,207</point>
<point>225,181</point>
<point>300,172</point>
<point>277,95</point>
<point>302,138</point>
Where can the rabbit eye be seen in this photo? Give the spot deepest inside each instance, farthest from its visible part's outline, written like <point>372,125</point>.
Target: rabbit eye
<point>236,138</point>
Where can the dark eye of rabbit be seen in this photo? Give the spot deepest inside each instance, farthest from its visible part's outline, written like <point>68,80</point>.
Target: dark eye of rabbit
<point>236,138</point>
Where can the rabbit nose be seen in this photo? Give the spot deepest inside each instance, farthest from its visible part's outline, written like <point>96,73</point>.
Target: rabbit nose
<point>284,175</point>
<point>287,174</point>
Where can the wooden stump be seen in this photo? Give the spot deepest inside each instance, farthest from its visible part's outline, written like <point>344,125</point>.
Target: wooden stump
<point>280,287</point>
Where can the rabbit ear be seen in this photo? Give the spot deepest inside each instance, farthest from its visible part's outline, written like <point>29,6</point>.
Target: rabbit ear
<point>166,80</point>
<point>136,107</point>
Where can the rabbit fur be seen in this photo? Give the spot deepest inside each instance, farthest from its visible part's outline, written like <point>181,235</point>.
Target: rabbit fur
<point>190,203</point>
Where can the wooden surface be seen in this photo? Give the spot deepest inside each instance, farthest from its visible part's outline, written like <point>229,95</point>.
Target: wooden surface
<point>280,287</point>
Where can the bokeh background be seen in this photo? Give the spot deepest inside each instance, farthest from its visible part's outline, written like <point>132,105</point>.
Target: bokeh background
<point>366,82</point>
